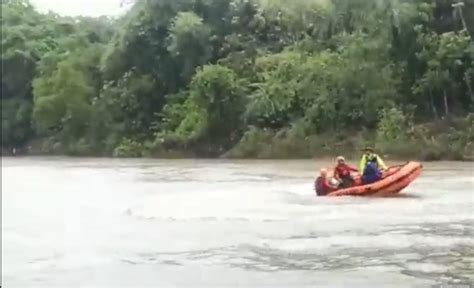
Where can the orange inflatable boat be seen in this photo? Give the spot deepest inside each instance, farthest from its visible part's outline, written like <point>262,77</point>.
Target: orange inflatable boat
<point>394,180</point>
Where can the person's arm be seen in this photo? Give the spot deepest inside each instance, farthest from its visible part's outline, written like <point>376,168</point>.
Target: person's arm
<point>328,187</point>
<point>352,168</point>
<point>363,163</point>
<point>336,175</point>
<point>381,163</point>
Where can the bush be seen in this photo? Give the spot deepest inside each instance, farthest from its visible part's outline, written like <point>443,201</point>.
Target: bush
<point>80,148</point>
<point>217,103</point>
<point>193,127</point>
<point>295,142</point>
<point>252,144</point>
<point>129,149</point>
<point>393,135</point>
<point>392,126</point>
<point>443,140</point>
<point>51,145</point>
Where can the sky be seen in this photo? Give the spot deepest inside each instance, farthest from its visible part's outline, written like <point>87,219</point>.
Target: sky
<point>80,7</point>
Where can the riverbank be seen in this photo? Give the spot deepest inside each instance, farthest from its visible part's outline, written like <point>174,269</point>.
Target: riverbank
<point>270,145</point>
<point>435,141</point>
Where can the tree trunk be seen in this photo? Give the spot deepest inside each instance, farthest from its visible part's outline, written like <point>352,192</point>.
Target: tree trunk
<point>433,107</point>
<point>446,107</point>
<point>467,78</point>
<point>458,7</point>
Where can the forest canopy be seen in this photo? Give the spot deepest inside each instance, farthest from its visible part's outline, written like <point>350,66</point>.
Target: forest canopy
<point>241,78</point>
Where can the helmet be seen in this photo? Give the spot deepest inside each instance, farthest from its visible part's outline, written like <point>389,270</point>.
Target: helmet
<point>323,172</point>
<point>369,149</point>
<point>340,158</point>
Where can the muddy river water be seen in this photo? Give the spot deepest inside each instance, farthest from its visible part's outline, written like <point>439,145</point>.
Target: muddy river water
<point>70,222</point>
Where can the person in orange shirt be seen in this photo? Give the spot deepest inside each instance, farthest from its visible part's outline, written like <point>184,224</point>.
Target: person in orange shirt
<point>342,173</point>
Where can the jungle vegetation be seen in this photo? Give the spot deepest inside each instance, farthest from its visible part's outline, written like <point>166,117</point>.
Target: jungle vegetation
<point>241,78</point>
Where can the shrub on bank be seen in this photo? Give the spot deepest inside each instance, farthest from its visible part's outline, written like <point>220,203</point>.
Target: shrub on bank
<point>129,148</point>
<point>252,144</point>
<point>395,138</point>
<point>292,143</point>
<point>444,140</point>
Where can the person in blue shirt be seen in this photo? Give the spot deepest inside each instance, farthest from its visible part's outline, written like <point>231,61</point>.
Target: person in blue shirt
<point>371,166</point>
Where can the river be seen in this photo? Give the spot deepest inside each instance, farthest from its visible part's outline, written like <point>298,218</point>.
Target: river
<point>70,222</point>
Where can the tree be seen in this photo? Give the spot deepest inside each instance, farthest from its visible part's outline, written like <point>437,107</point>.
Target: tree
<point>197,73</point>
<point>63,103</point>
<point>189,42</point>
<point>447,62</point>
<point>218,94</point>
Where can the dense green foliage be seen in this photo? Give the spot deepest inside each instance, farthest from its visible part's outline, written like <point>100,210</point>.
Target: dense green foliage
<point>253,78</point>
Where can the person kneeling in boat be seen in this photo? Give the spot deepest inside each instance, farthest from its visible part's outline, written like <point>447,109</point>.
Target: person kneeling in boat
<point>342,173</point>
<point>322,185</point>
<point>371,165</point>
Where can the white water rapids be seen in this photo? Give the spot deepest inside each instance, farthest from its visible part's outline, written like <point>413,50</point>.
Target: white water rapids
<point>70,222</point>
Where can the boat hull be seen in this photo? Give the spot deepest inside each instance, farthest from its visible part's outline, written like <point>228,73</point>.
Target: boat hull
<point>395,180</point>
